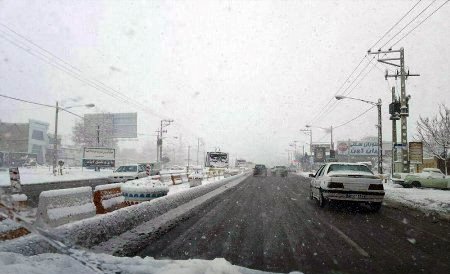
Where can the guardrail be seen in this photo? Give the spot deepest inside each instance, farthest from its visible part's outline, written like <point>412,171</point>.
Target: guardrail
<point>62,206</point>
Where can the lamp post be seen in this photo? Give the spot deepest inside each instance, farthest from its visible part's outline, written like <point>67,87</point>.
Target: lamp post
<point>55,139</point>
<point>308,132</point>
<point>379,126</point>
<point>330,129</point>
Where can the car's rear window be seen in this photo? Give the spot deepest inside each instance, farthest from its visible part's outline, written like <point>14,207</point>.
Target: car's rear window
<point>348,168</point>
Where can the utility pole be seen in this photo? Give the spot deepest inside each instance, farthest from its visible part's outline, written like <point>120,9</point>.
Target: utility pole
<point>394,117</point>
<point>404,109</point>
<point>164,123</point>
<point>331,143</point>
<point>198,148</point>
<point>189,158</point>
<point>55,141</point>
<point>380,139</point>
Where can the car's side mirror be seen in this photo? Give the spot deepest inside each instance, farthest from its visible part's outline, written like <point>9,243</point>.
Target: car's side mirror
<point>312,175</point>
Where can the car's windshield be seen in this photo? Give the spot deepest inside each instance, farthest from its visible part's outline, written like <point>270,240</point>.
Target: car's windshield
<point>133,132</point>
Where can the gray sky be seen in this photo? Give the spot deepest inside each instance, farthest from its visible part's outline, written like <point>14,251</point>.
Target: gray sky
<point>243,75</point>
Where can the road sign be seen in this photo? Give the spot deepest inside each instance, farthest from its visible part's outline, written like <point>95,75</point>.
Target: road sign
<point>416,152</point>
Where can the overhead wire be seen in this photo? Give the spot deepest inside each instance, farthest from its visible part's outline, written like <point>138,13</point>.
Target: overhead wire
<point>409,32</point>
<point>412,20</point>
<point>353,119</point>
<point>396,23</point>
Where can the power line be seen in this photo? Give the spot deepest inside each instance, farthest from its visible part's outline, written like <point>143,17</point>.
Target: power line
<point>408,24</point>
<point>39,104</point>
<point>404,36</point>
<point>389,30</point>
<point>346,123</point>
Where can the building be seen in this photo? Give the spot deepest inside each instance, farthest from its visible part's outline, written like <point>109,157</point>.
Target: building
<point>25,138</point>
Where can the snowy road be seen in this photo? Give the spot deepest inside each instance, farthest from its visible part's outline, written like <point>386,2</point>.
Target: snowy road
<point>269,223</point>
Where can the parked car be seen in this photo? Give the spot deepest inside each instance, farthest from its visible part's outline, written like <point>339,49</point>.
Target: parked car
<point>281,171</point>
<point>127,173</point>
<point>260,170</point>
<point>346,182</point>
<point>429,177</point>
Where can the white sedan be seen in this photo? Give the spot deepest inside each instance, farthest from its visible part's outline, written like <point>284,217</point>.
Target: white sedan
<point>127,173</point>
<point>346,182</point>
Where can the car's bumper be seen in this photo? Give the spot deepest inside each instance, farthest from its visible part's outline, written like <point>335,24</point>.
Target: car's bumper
<point>356,196</point>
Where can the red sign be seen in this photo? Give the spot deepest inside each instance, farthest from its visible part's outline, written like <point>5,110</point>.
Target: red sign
<point>342,147</point>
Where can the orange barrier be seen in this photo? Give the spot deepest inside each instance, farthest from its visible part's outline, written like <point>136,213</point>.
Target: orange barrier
<point>176,179</point>
<point>108,198</point>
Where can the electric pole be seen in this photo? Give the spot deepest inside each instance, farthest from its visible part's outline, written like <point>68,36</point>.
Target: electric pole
<point>164,123</point>
<point>55,140</point>
<point>404,106</point>
<point>189,158</point>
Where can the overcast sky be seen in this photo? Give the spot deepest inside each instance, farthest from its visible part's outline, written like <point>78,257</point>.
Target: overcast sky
<point>245,76</point>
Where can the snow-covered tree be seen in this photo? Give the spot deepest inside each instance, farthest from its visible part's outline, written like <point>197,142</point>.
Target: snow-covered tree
<point>435,133</point>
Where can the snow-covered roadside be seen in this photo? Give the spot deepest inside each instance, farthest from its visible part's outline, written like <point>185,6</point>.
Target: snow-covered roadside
<point>424,199</point>
<point>44,175</point>
<point>13,263</point>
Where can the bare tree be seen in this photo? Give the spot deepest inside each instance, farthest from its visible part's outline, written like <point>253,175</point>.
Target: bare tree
<point>435,133</point>
<point>92,132</point>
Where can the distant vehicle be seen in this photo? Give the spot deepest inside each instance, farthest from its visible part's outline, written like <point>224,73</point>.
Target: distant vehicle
<point>127,173</point>
<point>429,177</point>
<point>346,182</point>
<point>260,170</point>
<point>281,171</point>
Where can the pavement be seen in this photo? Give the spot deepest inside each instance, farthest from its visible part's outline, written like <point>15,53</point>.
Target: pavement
<point>270,224</point>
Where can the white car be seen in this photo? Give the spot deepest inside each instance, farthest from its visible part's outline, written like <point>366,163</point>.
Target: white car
<point>127,173</point>
<point>347,182</point>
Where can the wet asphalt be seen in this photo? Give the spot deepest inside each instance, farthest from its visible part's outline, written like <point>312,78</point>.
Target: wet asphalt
<point>270,223</point>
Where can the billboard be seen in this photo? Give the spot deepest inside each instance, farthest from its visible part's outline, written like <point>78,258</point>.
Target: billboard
<point>357,148</point>
<point>416,152</point>
<point>115,125</point>
<point>319,154</point>
<point>98,157</point>
<point>216,159</point>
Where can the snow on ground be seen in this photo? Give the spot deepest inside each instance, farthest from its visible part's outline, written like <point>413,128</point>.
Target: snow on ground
<point>13,263</point>
<point>37,175</point>
<point>424,199</point>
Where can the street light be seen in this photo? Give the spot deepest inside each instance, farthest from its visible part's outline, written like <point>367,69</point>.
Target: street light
<point>379,126</point>
<point>330,129</point>
<point>55,144</point>
<point>308,132</point>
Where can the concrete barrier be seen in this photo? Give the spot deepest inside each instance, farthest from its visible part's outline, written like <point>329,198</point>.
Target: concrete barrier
<point>62,206</point>
<point>108,198</point>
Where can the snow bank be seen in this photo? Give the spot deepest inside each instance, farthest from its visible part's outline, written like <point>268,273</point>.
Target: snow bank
<point>40,175</point>
<point>13,263</point>
<point>19,198</point>
<point>108,186</point>
<point>98,229</point>
<point>424,199</point>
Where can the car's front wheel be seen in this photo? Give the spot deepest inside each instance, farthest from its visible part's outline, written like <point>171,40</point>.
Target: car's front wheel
<point>416,184</point>
<point>322,201</point>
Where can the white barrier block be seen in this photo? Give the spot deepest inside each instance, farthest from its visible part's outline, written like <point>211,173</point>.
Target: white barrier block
<point>62,206</point>
<point>166,178</point>
<point>184,178</point>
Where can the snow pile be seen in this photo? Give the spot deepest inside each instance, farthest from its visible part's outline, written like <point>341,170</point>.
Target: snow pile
<point>144,185</point>
<point>112,202</point>
<point>424,199</point>
<point>18,197</point>
<point>61,212</point>
<point>8,225</point>
<point>13,263</point>
<point>108,186</point>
